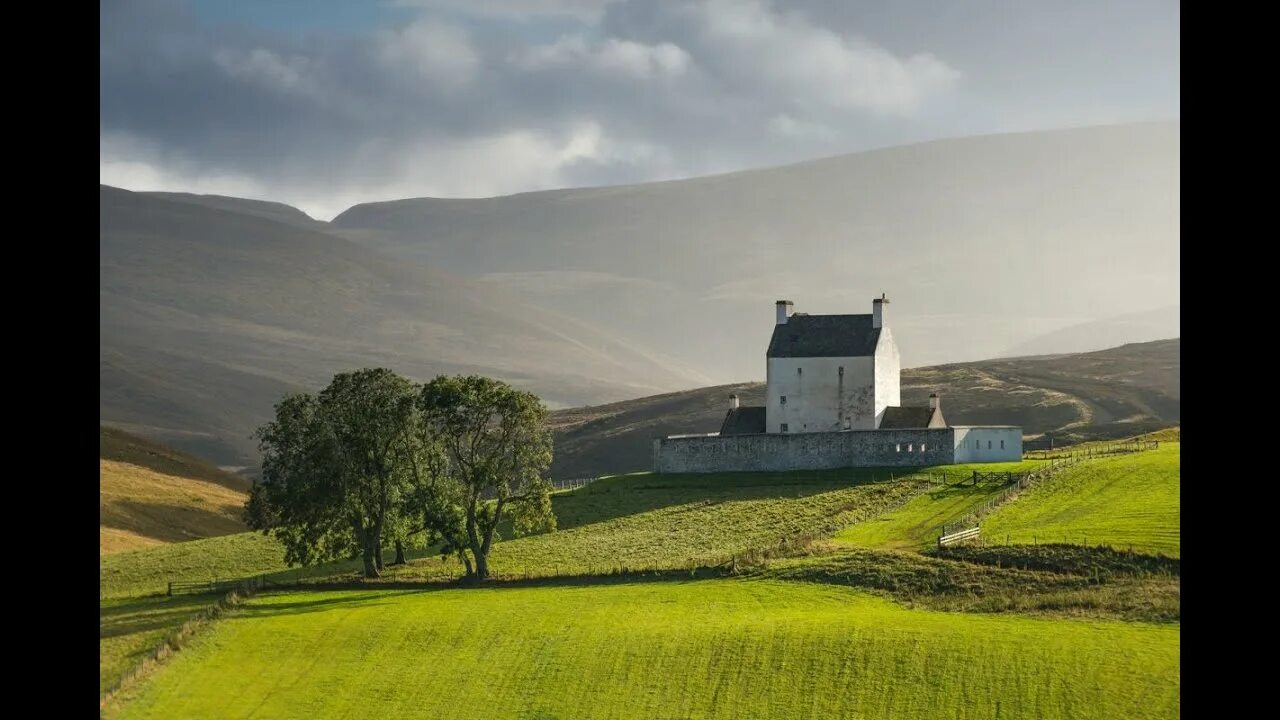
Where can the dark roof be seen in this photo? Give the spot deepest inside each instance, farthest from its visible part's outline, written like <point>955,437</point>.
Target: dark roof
<point>911,417</point>
<point>824,336</point>
<point>743,421</point>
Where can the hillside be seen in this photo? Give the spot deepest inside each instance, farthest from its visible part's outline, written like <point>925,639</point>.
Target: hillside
<point>150,494</point>
<point>212,309</point>
<point>1125,502</point>
<point>708,649</point>
<point>1112,393</point>
<point>982,243</point>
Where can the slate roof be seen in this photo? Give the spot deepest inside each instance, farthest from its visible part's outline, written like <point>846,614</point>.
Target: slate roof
<point>896,418</point>
<point>743,421</point>
<point>824,336</point>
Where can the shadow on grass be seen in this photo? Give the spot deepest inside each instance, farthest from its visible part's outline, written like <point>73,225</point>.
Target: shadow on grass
<point>622,495</point>
<point>147,614</point>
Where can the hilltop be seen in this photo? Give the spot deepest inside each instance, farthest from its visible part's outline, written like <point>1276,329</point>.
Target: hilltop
<point>1112,393</point>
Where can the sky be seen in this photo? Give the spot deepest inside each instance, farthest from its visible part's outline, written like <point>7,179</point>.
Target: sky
<point>324,104</point>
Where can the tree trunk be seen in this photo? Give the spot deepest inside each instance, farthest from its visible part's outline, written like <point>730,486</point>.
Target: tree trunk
<point>399,554</point>
<point>370,562</point>
<point>377,557</point>
<point>466,560</point>
<point>482,567</point>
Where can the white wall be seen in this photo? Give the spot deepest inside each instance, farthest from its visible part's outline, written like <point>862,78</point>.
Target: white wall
<point>888,370</point>
<point>817,396</point>
<point>987,444</point>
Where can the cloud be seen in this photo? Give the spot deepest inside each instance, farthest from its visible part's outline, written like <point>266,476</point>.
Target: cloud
<point>784,55</point>
<point>264,67</point>
<point>469,98</point>
<point>610,56</point>
<point>440,53</point>
<point>584,10</point>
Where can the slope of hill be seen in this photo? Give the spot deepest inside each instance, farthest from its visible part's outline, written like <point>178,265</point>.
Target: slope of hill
<point>981,242</point>
<point>1112,393</point>
<point>211,311</point>
<point>150,494</point>
<point>710,649</point>
<point>1125,502</point>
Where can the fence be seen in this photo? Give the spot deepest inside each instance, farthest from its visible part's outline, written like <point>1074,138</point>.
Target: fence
<point>1093,449</point>
<point>969,526</point>
<point>572,484</point>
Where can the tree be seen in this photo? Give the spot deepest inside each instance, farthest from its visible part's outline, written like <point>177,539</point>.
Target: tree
<point>334,469</point>
<point>494,447</point>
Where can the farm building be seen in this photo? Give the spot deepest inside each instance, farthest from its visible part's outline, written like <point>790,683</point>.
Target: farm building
<point>833,400</point>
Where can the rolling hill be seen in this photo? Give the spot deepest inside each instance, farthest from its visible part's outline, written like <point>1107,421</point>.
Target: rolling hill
<point>1119,392</point>
<point>212,309</point>
<point>150,494</point>
<point>981,242</point>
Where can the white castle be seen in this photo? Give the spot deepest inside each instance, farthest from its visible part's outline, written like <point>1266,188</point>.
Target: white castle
<point>833,400</point>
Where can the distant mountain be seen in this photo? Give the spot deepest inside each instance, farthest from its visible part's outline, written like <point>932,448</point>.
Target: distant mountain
<point>212,307</point>
<point>981,243</point>
<point>1118,392</point>
<point>1155,324</point>
<point>211,310</point>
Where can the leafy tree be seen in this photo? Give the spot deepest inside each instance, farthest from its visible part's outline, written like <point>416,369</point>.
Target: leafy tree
<point>494,447</point>
<point>334,469</point>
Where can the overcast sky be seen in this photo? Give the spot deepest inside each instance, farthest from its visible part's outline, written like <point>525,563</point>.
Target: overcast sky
<point>323,104</point>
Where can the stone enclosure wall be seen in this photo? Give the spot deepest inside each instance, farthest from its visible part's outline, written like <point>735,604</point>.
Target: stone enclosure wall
<point>804,451</point>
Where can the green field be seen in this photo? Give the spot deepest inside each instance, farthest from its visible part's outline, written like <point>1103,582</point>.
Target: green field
<point>1128,501</point>
<point>706,649</point>
<point>128,629</point>
<point>917,524</point>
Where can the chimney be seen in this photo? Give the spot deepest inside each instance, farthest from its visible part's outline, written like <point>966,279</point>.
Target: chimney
<point>733,402</point>
<point>933,401</point>
<point>877,311</point>
<point>785,307</point>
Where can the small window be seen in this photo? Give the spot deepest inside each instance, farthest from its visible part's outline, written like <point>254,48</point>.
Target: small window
<point>799,371</point>
<point>784,427</point>
<point>910,447</point>
<point>897,448</point>
<point>784,399</point>
<point>922,446</point>
<point>1001,444</point>
<point>988,444</point>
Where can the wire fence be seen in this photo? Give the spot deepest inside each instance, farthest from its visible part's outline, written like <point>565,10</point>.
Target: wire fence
<point>968,527</point>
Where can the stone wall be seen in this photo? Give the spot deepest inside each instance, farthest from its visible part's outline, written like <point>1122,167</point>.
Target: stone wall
<point>804,451</point>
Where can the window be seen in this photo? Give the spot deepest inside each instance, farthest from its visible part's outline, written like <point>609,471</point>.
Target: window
<point>910,447</point>
<point>784,399</point>
<point>1001,444</point>
<point>897,448</point>
<point>921,447</point>
<point>799,371</point>
<point>784,427</point>
<point>988,444</point>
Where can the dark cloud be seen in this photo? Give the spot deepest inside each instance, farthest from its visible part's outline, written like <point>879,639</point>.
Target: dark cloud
<point>451,102</point>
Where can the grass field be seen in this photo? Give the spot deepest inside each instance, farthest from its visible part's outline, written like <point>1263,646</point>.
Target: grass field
<point>139,507</point>
<point>706,649</point>
<point>917,524</point>
<point>1128,501</point>
<point>129,628</point>
<point>149,494</point>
